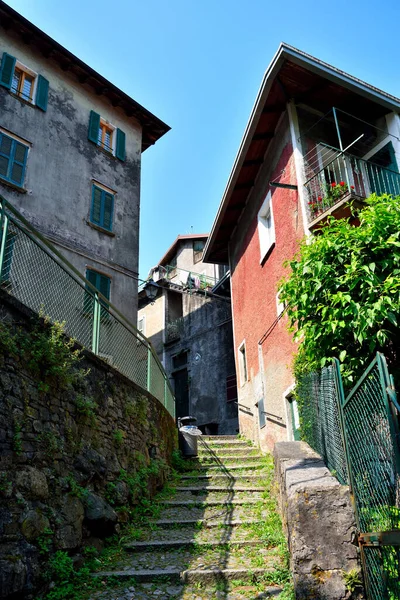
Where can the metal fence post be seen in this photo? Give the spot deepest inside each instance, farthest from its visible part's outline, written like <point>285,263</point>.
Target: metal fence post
<point>96,324</point>
<point>4,230</point>
<point>148,368</point>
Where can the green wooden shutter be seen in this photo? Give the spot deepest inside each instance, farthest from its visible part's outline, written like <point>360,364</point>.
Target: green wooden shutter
<point>120,146</point>
<point>7,70</point>
<point>88,301</point>
<point>95,215</point>
<point>108,211</point>
<point>42,93</point>
<point>104,285</point>
<point>94,124</point>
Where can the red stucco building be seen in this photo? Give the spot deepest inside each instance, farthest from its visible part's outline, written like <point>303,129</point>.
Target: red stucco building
<point>316,139</point>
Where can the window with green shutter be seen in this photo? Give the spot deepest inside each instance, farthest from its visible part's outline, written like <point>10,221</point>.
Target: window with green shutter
<point>13,157</point>
<point>106,136</point>
<point>103,284</point>
<point>21,81</point>
<point>101,212</point>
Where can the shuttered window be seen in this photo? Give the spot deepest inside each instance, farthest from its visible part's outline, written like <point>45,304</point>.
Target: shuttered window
<point>13,157</point>
<point>103,284</point>
<point>102,134</point>
<point>21,81</point>
<point>102,209</point>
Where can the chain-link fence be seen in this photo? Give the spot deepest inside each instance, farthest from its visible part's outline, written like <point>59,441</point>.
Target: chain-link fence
<point>318,400</point>
<point>358,437</point>
<point>34,272</point>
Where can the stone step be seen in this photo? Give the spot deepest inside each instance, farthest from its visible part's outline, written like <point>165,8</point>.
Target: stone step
<point>220,438</point>
<point>228,460</point>
<point>215,513</point>
<point>228,477</point>
<point>166,545</point>
<point>220,443</point>
<point>220,488</point>
<point>218,468</point>
<point>208,576</point>
<point>166,538</point>
<point>206,523</point>
<point>205,502</point>
<point>221,452</point>
<point>150,565</point>
<point>187,591</point>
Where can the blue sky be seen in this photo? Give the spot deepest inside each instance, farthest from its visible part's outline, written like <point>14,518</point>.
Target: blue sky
<point>198,64</point>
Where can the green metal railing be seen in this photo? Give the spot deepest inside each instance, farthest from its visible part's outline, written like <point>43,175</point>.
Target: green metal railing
<point>33,271</point>
<point>359,438</point>
<point>345,176</point>
<point>318,396</point>
<point>188,279</point>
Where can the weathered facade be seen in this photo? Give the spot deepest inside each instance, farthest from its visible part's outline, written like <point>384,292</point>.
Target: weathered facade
<point>70,156</point>
<point>317,139</point>
<point>191,329</point>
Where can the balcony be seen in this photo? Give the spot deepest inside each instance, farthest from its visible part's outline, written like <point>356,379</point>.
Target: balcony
<point>174,330</point>
<point>343,183</point>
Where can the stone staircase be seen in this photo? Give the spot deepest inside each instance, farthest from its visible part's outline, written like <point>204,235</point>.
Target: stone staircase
<point>218,535</point>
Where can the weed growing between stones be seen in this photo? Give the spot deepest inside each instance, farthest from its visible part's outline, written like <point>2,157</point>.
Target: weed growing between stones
<point>86,407</point>
<point>17,441</point>
<point>119,437</point>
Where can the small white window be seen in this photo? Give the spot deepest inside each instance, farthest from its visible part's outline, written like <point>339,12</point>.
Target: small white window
<point>142,325</point>
<point>242,363</point>
<point>266,229</point>
<point>280,306</point>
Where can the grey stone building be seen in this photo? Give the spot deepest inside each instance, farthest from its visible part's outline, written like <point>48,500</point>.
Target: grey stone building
<point>190,326</point>
<point>70,156</point>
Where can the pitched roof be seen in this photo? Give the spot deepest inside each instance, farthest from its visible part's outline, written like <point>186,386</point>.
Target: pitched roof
<point>152,127</point>
<point>296,75</point>
<point>172,249</point>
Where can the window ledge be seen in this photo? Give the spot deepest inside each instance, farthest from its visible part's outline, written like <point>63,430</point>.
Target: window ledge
<point>22,100</point>
<point>266,255</point>
<point>101,229</point>
<point>14,186</point>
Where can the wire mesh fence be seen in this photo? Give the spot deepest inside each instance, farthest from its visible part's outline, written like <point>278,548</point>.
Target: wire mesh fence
<point>318,399</point>
<point>34,272</point>
<point>358,437</point>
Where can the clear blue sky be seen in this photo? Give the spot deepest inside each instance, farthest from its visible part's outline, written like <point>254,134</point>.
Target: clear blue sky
<point>197,65</point>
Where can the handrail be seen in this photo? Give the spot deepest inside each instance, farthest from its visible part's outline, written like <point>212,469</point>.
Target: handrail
<point>35,236</point>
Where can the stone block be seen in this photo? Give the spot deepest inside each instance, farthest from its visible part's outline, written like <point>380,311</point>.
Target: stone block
<point>319,522</point>
<point>32,483</point>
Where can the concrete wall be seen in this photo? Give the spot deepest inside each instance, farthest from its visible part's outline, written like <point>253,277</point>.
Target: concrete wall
<point>154,318</point>
<point>62,165</point>
<point>184,260</point>
<point>207,337</point>
<point>319,521</point>
<point>48,444</point>
<point>254,288</point>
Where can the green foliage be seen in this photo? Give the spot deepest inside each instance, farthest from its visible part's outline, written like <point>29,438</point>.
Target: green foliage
<point>5,485</point>
<point>50,442</point>
<point>352,580</point>
<point>17,437</point>
<point>87,408</point>
<point>343,292</point>
<point>44,541</point>
<point>119,437</point>
<point>179,463</point>
<point>50,355</point>
<point>75,489</point>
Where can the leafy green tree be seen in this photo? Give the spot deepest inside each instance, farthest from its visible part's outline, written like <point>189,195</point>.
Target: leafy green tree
<point>343,292</point>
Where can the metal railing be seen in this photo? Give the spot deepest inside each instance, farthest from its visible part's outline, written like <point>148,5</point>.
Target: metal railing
<point>344,176</point>
<point>187,279</point>
<point>174,330</point>
<point>33,271</point>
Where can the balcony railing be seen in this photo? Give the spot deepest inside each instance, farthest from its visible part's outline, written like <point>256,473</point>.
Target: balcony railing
<point>174,330</point>
<point>347,178</point>
<point>187,279</point>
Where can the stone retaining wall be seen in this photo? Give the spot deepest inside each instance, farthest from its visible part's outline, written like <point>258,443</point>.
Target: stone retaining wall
<point>319,522</point>
<point>72,461</point>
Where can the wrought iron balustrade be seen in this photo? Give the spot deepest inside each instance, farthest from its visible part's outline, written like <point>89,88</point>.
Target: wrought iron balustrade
<point>174,330</point>
<point>346,177</point>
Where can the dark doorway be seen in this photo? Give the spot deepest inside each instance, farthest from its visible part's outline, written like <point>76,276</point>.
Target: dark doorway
<point>181,393</point>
